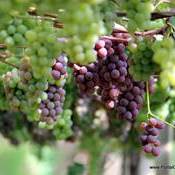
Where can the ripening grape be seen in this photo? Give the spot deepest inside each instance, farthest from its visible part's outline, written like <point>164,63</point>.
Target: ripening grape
<point>59,70</point>
<point>51,107</point>
<point>149,137</point>
<point>131,101</point>
<point>109,96</point>
<point>24,93</point>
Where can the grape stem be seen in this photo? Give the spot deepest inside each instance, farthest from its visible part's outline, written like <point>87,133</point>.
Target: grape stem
<point>4,46</point>
<point>154,15</point>
<point>146,33</point>
<point>149,113</point>
<point>10,64</point>
<point>4,56</point>
<point>112,38</point>
<point>57,24</point>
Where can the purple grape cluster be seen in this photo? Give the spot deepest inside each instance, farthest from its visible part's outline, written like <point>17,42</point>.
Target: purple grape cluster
<point>131,101</point>
<point>110,75</point>
<point>52,106</point>
<point>59,69</point>
<point>149,138</point>
<point>86,77</point>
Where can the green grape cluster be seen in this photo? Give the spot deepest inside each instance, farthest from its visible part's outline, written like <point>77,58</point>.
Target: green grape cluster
<point>13,35</point>
<point>139,14</point>
<point>108,13</point>
<point>82,28</point>
<point>34,38</point>
<point>62,128</point>
<point>142,64</point>
<point>24,92</point>
<point>42,48</point>
<point>164,55</point>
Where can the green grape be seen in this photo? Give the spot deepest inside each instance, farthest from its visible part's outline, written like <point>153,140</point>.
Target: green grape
<point>31,36</point>
<point>11,30</point>
<point>9,41</point>
<point>22,29</point>
<point>3,35</point>
<point>142,64</point>
<point>18,38</point>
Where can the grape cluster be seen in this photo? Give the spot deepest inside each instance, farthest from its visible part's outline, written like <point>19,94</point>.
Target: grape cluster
<point>82,27</point>
<point>139,18</point>
<point>14,34</point>
<point>115,86</point>
<point>34,38</point>
<point>108,12</point>
<point>149,138</point>
<point>86,77</point>
<point>23,91</point>
<point>131,101</point>
<point>112,70</point>
<point>11,80</point>
<point>43,47</point>
<point>62,129</point>
<point>164,57</point>
<point>142,64</point>
<point>52,106</point>
<point>27,94</point>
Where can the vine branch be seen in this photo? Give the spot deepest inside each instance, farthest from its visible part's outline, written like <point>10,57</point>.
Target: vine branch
<point>154,15</point>
<point>3,56</point>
